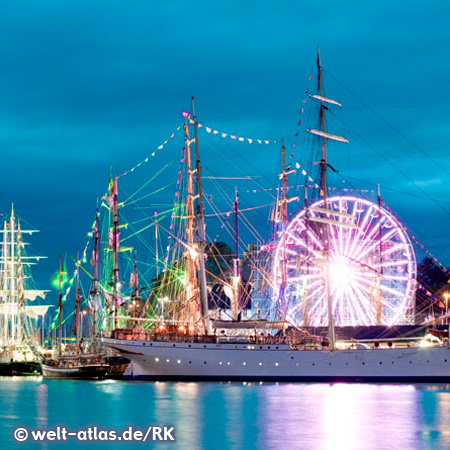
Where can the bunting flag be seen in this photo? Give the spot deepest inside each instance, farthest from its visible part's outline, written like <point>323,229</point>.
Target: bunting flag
<point>234,137</point>
<point>417,242</point>
<point>146,160</point>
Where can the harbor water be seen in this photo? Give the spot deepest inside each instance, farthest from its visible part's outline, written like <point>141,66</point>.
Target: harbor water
<point>228,415</point>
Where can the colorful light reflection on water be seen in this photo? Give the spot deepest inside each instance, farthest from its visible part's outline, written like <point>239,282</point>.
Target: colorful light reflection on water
<point>233,415</point>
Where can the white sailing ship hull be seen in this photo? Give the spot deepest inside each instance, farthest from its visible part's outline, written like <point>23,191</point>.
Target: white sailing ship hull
<point>158,360</point>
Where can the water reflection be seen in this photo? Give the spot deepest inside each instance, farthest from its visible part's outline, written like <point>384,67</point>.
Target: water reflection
<point>237,415</point>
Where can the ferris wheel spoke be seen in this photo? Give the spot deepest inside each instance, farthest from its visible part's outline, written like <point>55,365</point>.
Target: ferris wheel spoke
<point>375,243</point>
<point>357,237</point>
<point>355,258</point>
<point>391,250</point>
<point>363,307</point>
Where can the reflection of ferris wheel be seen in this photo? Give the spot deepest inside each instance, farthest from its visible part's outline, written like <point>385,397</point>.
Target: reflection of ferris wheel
<point>367,259</point>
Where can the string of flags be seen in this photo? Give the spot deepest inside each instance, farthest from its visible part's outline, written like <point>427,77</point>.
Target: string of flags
<point>302,110</point>
<point>175,204</point>
<point>313,186</point>
<point>152,154</point>
<point>419,244</point>
<point>234,137</point>
<point>430,294</point>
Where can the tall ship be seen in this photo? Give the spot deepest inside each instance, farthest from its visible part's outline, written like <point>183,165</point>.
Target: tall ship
<point>21,315</point>
<point>341,261</point>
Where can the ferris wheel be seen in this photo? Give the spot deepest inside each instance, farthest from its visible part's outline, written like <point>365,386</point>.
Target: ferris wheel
<point>358,251</point>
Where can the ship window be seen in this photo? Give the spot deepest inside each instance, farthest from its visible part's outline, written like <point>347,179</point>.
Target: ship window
<point>381,362</point>
<point>330,364</point>
<point>189,345</point>
<point>143,343</point>
<point>178,361</point>
<point>228,363</point>
<point>363,363</point>
<point>276,364</point>
<point>313,364</point>
<point>244,363</point>
<point>168,360</point>
<point>296,364</point>
<point>276,347</point>
<point>292,357</point>
<point>393,362</point>
<point>245,346</point>
<point>220,363</point>
<point>260,347</point>
<point>173,345</point>
<point>268,346</point>
<point>204,362</point>
<point>260,364</point>
<point>190,362</point>
<point>204,346</point>
<point>156,359</point>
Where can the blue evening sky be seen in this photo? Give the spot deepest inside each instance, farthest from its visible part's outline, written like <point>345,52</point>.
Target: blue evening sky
<point>89,85</point>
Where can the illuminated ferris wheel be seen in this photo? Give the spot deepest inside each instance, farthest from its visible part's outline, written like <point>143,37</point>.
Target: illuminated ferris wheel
<point>359,252</point>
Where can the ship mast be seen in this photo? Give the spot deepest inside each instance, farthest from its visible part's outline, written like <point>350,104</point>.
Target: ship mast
<point>115,247</point>
<point>283,210</point>
<point>236,264</point>
<point>94,289</point>
<point>201,245</point>
<point>323,169</point>
<point>77,305</point>
<point>323,190</point>
<point>191,279</point>
<point>305,297</point>
<point>380,262</point>
<point>60,309</point>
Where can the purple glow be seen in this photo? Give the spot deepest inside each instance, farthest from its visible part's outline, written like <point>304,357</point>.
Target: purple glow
<point>185,114</point>
<point>373,259</point>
